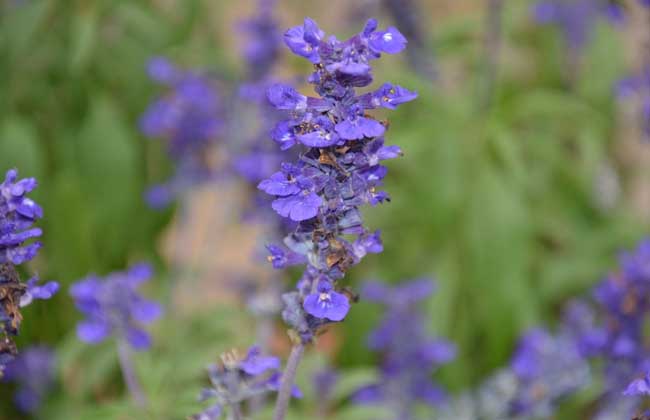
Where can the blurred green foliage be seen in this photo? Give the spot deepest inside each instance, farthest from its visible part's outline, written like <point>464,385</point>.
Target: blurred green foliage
<point>498,204</point>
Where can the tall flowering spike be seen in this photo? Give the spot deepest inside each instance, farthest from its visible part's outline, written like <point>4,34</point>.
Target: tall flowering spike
<point>576,18</point>
<point>338,168</point>
<point>616,335</point>
<point>547,368</point>
<point>410,355</point>
<point>544,370</point>
<point>237,379</point>
<point>17,216</point>
<point>33,373</point>
<point>637,87</point>
<point>113,306</point>
<point>189,117</point>
<point>263,45</point>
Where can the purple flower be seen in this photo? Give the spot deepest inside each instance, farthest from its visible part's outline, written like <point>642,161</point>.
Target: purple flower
<point>262,48</point>
<point>390,41</point>
<point>255,363</point>
<point>410,356</point>
<point>576,18</point>
<point>17,215</point>
<point>33,373</point>
<point>305,40</point>
<point>298,207</point>
<point>638,387</point>
<point>338,168</point>
<point>34,291</point>
<point>282,258</point>
<point>189,118</point>
<point>237,379</point>
<point>326,303</point>
<point>113,306</point>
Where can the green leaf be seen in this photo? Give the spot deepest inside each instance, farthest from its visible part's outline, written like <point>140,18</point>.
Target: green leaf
<point>20,148</point>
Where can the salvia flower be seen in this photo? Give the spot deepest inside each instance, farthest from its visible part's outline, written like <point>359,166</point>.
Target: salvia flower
<point>410,355</point>
<point>638,87</point>
<point>614,332</point>
<point>338,169</point>
<point>545,370</point>
<point>17,216</point>
<point>33,373</point>
<point>113,306</point>
<point>237,379</point>
<point>189,118</point>
<point>576,18</point>
<point>548,369</point>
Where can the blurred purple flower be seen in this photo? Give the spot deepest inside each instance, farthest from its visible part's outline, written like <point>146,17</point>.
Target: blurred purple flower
<point>410,356</point>
<point>576,18</point>
<point>33,373</point>
<point>237,379</point>
<point>189,117</point>
<point>113,306</point>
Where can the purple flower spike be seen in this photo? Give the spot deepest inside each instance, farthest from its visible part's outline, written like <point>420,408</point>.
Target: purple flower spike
<point>327,303</point>
<point>338,170</point>
<point>189,117</point>
<point>113,306</point>
<point>409,355</point>
<point>18,213</point>
<point>286,97</point>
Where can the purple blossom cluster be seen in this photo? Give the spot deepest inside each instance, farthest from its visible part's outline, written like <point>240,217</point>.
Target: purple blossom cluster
<point>548,369</point>
<point>409,354</point>
<point>113,306</point>
<point>17,216</point>
<point>338,169</point>
<point>576,18</point>
<point>33,373</point>
<point>189,117</point>
<point>544,370</point>
<point>614,330</point>
<point>255,157</point>
<point>238,379</point>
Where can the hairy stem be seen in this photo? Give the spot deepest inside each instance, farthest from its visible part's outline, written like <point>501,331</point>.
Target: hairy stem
<point>286,383</point>
<point>128,372</point>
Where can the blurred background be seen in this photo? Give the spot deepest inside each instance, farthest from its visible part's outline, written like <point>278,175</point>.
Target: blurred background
<point>522,179</point>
